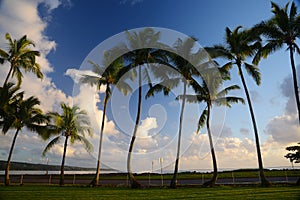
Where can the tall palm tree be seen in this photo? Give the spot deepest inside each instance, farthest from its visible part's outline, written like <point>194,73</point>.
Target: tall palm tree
<point>209,93</point>
<point>24,114</point>
<point>72,124</point>
<point>108,75</point>
<point>20,56</point>
<point>181,60</point>
<point>239,46</point>
<point>138,57</point>
<point>282,28</point>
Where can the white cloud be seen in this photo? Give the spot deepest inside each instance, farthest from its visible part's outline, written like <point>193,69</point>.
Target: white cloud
<point>20,17</point>
<point>285,128</point>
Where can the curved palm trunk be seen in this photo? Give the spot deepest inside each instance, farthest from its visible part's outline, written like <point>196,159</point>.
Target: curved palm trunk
<point>133,182</point>
<point>7,180</point>
<point>8,75</point>
<point>295,82</point>
<point>62,169</point>
<point>264,181</point>
<point>213,181</point>
<point>173,183</point>
<point>96,181</point>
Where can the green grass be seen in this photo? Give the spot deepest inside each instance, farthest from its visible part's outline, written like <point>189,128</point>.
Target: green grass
<point>70,192</point>
<point>191,175</point>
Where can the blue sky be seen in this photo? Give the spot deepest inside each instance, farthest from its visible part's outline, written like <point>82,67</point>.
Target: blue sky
<point>67,31</point>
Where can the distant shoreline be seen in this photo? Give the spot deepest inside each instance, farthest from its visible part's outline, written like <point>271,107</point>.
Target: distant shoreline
<point>22,166</point>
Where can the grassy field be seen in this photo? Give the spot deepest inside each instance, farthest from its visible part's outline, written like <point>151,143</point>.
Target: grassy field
<point>191,175</point>
<point>69,192</point>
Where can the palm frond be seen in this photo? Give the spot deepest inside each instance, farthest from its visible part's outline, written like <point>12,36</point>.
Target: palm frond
<point>192,98</point>
<point>51,144</point>
<point>227,101</point>
<point>164,86</point>
<point>202,120</point>
<point>225,91</point>
<point>254,72</point>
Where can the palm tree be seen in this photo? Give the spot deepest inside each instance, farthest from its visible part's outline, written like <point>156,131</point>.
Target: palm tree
<point>181,60</point>
<point>282,28</point>
<point>19,55</point>
<point>72,124</point>
<point>108,75</point>
<point>239,46</point>
<point>138,56</point>
<point>209,93</point>
<point>24,114</point>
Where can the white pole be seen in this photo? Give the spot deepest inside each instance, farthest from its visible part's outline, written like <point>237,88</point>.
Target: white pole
<point>161,174</point>
<point>21,181</point>
<point>74,179</point>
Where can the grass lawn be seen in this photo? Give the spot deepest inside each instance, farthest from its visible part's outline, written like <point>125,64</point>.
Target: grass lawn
<point>73,192</point>
<point>191,175</point>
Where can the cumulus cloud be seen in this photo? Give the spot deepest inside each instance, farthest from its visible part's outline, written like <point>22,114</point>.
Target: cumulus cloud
<point>20,17</point>
<point>285,128</point>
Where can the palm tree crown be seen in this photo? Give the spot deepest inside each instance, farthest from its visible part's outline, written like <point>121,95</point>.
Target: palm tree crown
<point>19,55</point>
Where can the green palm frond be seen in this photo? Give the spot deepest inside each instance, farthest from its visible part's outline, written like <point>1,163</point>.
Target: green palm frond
<point>164,86</point>
<point>192,98</point>
<point>202,120</point>
<point>254,72</point>
<point>227,101</point>
<point>88,146</point>
<point>225,91</point>
<point>270,47</point>
<point>51,144</point>
<point>219,51</point>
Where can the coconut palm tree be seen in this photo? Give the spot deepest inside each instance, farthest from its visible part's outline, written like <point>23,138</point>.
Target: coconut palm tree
<point>239,46</point>
<point>72,124</point>
<point>282,29</point>
<point>24,113</point>
<point>181,58</point>
<point>20,56</point>
<point>209,93</point>
<point>139,55</point>
<point>108,75</point>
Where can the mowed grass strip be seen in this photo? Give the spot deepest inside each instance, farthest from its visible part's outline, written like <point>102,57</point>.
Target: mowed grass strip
<point>70,192</point>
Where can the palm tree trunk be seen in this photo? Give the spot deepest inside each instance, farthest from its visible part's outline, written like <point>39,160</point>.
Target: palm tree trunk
<point>62,169</point>
<point>96,183</point>
<point>295,82</point>
<point>133,182</point>
<point>7,180</point>
<point>264,181</point>
<point>8,75</point>
<point>173,183</point>
<point>213,181</point>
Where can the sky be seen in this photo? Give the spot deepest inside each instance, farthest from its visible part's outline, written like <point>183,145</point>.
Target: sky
<point>70,32</point>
